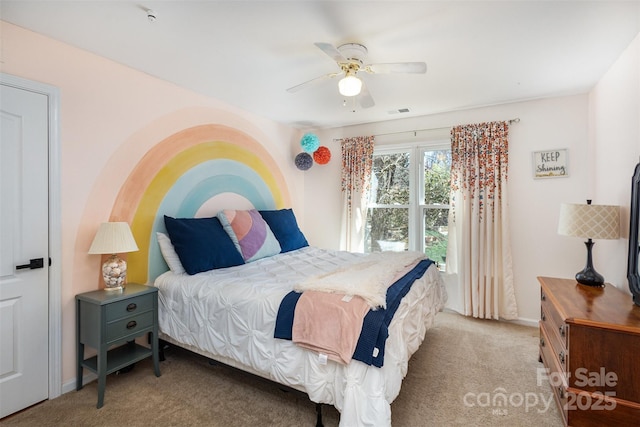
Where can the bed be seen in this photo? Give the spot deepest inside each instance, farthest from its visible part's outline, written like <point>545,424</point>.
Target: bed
<point>229,313</point>
<point>217,311</point>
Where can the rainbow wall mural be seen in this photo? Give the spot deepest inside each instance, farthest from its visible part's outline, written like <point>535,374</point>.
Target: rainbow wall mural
<point>194,173</point>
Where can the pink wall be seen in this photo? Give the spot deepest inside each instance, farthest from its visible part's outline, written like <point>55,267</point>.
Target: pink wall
<point>111,116</point>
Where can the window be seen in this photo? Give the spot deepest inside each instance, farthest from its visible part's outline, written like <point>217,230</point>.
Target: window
<point>408,204</point>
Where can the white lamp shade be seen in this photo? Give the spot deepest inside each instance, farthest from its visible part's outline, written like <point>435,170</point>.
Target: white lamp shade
<point>589,221</point>
<point>349,86</point>
<point>113,238</point>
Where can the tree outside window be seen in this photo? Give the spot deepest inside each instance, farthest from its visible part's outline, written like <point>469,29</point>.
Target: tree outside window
<point>408,205</point>
<point>437,184</point>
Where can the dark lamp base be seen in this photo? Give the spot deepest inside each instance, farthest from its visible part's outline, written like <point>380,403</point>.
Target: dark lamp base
<point>590,277</point>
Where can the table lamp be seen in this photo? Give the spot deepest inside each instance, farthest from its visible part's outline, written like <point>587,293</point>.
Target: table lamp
<point>590,222</point>
<point>114,238</point>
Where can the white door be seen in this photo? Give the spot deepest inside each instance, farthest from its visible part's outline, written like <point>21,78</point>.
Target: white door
<point>24,249</point>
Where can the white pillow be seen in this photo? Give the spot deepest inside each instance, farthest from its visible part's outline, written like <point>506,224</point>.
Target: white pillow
<point>169,253</point>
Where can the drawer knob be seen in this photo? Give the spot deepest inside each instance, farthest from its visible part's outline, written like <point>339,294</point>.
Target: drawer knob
<point>132,324</point>
<point>541,342</point>
<point>543,297</point>
<point>561,329</point>
<point>132,306</point>
<point>561,392</point>
<point>542,316</point>
<point>561,357</point>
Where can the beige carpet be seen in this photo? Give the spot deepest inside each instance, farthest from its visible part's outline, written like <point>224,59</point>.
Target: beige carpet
<point>452,381</point>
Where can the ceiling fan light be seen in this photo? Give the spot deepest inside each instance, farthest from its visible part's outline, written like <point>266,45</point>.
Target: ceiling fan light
<point>349,86</point>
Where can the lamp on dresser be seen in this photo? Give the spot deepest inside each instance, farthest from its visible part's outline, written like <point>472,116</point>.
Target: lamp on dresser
<point>590,222</point>
<point>114,238</point>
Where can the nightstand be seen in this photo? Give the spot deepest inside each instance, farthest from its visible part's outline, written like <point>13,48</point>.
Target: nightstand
<point>110,321</point>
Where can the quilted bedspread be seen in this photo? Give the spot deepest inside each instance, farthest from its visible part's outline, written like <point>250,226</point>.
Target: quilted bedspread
<point>230,314</point>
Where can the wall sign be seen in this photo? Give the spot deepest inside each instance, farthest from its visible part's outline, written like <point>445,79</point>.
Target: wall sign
<point>550,163</point>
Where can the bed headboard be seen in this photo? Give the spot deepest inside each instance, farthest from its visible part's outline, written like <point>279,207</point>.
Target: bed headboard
<point>194,173</point>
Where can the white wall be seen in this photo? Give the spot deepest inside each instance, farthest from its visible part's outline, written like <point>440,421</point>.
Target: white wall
<point>600,129</point>
<point>615,133</point>
<point>534,203</point>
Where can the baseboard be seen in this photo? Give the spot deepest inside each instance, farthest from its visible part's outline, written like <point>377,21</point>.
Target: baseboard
<point>523,321</point>
<point>519,321</point>
<point>71,384</point>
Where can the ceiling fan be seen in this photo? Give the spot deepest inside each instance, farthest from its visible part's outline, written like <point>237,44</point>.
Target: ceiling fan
<point>350,58</point>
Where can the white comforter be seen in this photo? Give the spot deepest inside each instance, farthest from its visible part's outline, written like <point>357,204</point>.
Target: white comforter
<point>229,315</point>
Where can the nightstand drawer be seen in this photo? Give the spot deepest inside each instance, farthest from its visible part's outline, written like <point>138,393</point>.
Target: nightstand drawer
<point>129,307</point>
<point>128,326</point>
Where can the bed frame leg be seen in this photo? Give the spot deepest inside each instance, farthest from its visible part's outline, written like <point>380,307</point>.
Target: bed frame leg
<point>319,415</point>
<point>162,345</point>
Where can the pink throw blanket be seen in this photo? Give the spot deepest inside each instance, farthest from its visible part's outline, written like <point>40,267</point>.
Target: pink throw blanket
<point>329,323</point>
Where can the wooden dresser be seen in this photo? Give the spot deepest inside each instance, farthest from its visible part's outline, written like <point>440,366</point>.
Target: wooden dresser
<point>590,345</point>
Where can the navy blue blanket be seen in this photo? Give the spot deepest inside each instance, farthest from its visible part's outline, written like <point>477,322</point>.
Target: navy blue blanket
<point>375,328</point>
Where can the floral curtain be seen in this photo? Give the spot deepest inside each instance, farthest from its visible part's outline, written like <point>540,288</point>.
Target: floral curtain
<point>479,250</point>
<point>357,161</point>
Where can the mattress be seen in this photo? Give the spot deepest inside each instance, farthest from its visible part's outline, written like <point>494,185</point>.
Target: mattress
<point>229,315</point>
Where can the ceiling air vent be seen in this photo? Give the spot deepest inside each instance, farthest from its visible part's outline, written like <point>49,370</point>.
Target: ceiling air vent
<point>399,110</point>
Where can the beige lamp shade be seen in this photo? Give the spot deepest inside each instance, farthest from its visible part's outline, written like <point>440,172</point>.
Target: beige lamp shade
<point>589,221</point>
<point>113,238</point>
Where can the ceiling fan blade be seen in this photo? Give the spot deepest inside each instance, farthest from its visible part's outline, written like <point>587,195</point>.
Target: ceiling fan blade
<point>331,50</point>
<point>397,67</point>
<point>311,82</point>
<point>365,99</point>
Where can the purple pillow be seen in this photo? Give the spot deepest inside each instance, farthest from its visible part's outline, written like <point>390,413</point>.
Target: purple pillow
<point>250,233</point>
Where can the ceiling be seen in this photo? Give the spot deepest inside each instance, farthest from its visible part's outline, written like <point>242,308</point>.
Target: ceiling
<point>247,53</point>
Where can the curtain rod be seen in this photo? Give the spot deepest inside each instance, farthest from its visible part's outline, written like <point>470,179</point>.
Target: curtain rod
<point>512,121</point>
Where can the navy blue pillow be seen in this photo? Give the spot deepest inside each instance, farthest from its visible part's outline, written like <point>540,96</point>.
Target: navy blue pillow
<point>284,226</point>
<point>202,244</point>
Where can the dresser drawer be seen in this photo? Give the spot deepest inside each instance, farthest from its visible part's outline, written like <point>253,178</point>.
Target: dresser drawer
<point>553,321</point>
<point>555,346</point>
<point>128,326</point>
<point>555,371</point>
<point>129,307</point>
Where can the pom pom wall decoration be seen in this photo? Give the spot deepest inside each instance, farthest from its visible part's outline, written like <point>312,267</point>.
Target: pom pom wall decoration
<point>322,155</point>
<point>309,142</point>
<point>304,161</point>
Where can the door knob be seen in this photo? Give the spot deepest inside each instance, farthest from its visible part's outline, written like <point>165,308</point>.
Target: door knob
<point>33,264</point>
